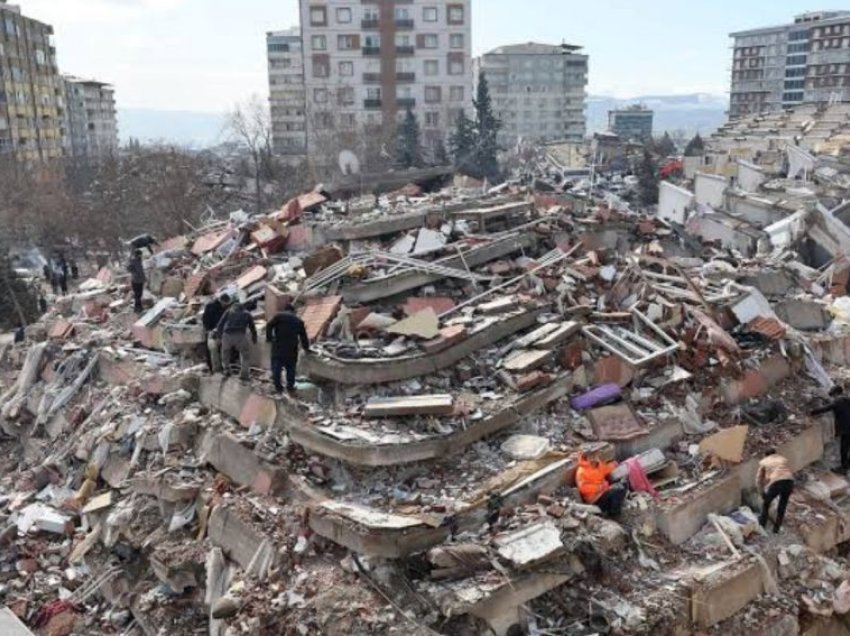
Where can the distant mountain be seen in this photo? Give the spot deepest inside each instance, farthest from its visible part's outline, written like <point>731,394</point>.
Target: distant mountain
<point>694,113</point>
<point>185,128</point>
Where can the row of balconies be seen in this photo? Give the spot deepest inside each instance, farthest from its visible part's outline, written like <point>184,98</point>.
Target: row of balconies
<point>401,102</point>
<point>400,78</point>
<point>402,24</point>
<point>402,50</point>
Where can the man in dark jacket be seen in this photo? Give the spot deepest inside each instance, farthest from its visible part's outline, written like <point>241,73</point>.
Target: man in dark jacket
<point>137,279</point>
<point>233,330</point>
<point>840,407</point>
<point>284,332</point>
<point>213,312</point>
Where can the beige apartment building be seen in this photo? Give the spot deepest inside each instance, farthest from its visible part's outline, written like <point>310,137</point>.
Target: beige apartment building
<point>366,62</point>
<point>286,94</point>
<point>31,90</point>
<point>538,91</point>
<point>91,130</point>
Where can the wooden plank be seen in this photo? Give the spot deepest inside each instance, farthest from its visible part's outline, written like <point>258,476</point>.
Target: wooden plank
<point>438,404</point>
<point>526,359</point>
<point>561,334</point>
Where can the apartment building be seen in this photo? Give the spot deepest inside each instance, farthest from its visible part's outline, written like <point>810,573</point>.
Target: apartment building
<point>287,94</point>
<point>31,90</point>
<point>367,62</point>
<point>91,122</point>
<point>631,123</point>
<point>786,65</point>
<point>538,91</point>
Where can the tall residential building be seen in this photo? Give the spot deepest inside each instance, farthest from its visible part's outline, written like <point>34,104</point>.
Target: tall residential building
<point>538,91</point>
<point>31,90</point>
<point>286,93</point>
<point>367,62</point>
<point>633,122</point>
<point>782,66</point>
<point>91,119</point>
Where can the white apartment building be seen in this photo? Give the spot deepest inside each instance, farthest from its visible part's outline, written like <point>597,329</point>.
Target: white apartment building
<point>367,61</point>
<point>538,91</point>
<point>782,66</point>
<point>286,94</point>
<point>91,119</point>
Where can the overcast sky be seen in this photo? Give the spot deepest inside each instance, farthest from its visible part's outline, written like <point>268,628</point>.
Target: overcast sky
<point>206,55</point>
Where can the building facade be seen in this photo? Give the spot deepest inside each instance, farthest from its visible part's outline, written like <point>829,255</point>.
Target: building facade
<point>31,90</point>
<point>91,121</point>
<point>538,91</point>
<point>783,66</point>
<point>287,94</point>
<point>632,123</point>
<point>366,62</point>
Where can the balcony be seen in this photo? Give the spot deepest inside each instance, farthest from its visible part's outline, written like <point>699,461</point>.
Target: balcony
<point>372,104</point>
<point>369,23</point>
<point>403,23</point>
<point>371,78</point>
<point>405,78</point>
<point>406,102</point>
<point>371,50</point>
<point>405,50</point>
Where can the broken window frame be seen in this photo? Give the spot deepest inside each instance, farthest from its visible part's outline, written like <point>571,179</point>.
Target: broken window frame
<point>635,344</point>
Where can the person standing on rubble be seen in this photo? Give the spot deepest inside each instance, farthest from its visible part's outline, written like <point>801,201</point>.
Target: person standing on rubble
<point>284,332</point>
<point>233,331</point>
<point>594,486</point>
<point>840,407</point>
<point>137,279</point>
<point>774,479</point>
<point>213,313</point>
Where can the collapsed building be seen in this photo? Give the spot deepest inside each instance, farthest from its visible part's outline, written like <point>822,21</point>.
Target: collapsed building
<point>468,345</point>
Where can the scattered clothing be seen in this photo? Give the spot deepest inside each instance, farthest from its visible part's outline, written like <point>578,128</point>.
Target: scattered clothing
<point>638,481</point>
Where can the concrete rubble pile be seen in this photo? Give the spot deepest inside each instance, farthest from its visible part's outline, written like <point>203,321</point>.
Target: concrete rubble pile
<point>468,344</point>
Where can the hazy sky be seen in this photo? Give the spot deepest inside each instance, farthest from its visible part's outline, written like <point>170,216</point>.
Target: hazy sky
<point>205,55</point>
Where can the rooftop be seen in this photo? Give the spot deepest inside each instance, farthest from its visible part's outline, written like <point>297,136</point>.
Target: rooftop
<point>535,48</point>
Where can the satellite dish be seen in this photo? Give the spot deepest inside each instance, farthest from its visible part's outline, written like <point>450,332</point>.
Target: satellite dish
<point>348,162</point>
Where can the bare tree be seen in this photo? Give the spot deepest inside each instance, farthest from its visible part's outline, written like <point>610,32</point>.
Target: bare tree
<point>249,126</point>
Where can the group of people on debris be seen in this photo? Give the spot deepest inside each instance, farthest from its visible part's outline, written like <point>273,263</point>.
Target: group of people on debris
<point>229,325</point>
<point>58,271</point>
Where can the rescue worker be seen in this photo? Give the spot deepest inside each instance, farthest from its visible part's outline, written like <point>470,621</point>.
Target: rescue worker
<point>233,331</point>
<point>137,279</point>
<point>840,407</point>
<point>774,479</point>
<point>593,480</point>
<point>62,272</point>
<point>285,331</point>
<point>213,312</point>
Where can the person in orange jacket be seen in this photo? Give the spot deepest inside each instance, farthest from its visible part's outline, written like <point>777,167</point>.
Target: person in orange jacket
<point>594,486</point>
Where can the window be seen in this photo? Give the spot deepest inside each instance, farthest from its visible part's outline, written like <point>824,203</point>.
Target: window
<point>798,47</point>
<point>456,94</point>
<point>456,41</point>
<point>345,96</point>
<point>432,119</point>
<point>433,94</point>
<point>372,41</point>
<point>430,41</point>
<point>347,120</point>
<point>320,95</point>
<point>402,13</point>
<point>347,42</point>
<point>324,121</point>
<point>795,60</point>
<point>455,14</point>
<point>373,93</point>
<point>429,14</point>
<point>321,67</point>
<point>403,65</point>
<point>796,72</point>
<point>404,92</point>
<point>39,57</point>
<point>343,15</point>
<point>346,69</point>
<point>792,84</point>
<point>402,40</point>
<point>456,67</point>
<point>319,43</point>
<point>792,97</point>
<point>318,16</point>
<point>432,67</point>
<point>370,14</point>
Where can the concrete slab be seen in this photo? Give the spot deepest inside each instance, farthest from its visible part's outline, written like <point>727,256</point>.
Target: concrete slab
<point>727,592</point>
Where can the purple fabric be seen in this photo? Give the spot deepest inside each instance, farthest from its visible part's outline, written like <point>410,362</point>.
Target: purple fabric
<point>602,394</point>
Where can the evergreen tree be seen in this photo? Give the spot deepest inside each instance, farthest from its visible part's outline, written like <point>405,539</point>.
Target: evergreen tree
<point>665,146</point>
<point>487,127</point>
<point>441,155</point>
<point>462,144</point>
<point>409,154</point>
<point>647,180</point>
<point>695,147</point>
